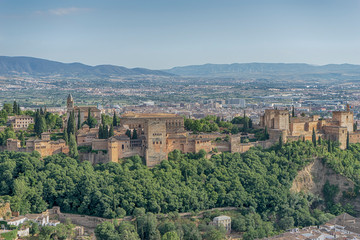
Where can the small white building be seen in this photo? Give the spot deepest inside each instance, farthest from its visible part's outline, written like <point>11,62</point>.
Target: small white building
<point>224,221</point>
<point>16,221</point>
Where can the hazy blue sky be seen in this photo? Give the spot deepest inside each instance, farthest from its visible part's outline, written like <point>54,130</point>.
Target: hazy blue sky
<point>166,33</point>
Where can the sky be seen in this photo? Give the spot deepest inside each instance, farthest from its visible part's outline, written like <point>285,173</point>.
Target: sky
<point>161,34</point>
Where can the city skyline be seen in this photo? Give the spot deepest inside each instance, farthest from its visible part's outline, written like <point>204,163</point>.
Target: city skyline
<point>164,34</point>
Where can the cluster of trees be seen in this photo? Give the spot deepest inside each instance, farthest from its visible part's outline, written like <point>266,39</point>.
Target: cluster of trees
<point>6,134</point>
<point>131,135</point>
<point>105,132</point>
<point>106,129</point>
<point>9,110</point>
<point>44,120</point>
<point>215,124</point>
<point>150,227</point>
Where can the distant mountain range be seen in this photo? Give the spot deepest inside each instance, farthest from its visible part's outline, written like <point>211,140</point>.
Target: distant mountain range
<point>238,69</point>
<point>41,67</point>
<point>36,66</point>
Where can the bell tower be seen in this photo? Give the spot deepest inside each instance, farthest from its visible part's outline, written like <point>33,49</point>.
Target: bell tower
<point>70,103</point>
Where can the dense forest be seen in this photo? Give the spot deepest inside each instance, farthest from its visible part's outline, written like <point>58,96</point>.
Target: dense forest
<point>257,181</point>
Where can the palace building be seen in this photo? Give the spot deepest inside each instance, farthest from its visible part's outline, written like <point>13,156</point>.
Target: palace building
<point>337,128</point>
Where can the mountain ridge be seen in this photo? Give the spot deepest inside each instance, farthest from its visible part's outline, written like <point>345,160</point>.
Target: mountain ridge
<point>39,66</point>
<point>262,68</point>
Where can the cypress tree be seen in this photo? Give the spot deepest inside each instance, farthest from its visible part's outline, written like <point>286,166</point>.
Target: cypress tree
<point>41,111</point>
<point>36,124</point>
<point>347,140</point>
<point>18,110</point>
<point>280,141</point>
<point>329,146</point>
<point>355,126</point>
<point>88,119</point>
<point>319,140</point>
<point>267,136</point>
<point>134,136</point>
<point>79,120</point>
<point>246,125</point>
<point>111,131</point>
<point>71,124</point>
<point>105,132</point>
<point>250,123</point>
<point>73,152</point>
<point>66,137</point>
<point>314,137</point>
<point>115,123</point>
<point>15,109</point>
<point>22,139</point>
<point>101,132</point>
<point>42,125</point>
<point>128,133</point>
<point>293,111</point>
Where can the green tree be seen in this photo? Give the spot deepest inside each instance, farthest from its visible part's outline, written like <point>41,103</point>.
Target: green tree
<point>8,108</point>
<point>314,137</point>
<point>347,140</point>
<point>105,132</point>
<point>115,123</point>
<point>106,231</point>
<point>71,124</point>
<point>79,119</point>
<point>15,108</point>
<point>111,131</point>
<point>128,133</point>
<point>101,131</point>
<point>319,141</point>
<point>170,236</point>
<point>66,137</point>
<point>267,136</point>
<point>40,124</point>
<point>73,151</point>
<point>293,111</point>
<point>146,227</point>
<point>281,142</point>
<point>22,139</point>
<point>134,136</point>
<point>91,121</point>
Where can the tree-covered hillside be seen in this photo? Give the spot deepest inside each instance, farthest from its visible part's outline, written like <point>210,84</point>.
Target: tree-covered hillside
<point>258,179</point>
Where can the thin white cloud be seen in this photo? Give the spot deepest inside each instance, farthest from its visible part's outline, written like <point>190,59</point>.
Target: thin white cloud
<point>63,11</point>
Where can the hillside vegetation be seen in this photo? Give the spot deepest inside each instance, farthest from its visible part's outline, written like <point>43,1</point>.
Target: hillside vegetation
<point>258,180</point>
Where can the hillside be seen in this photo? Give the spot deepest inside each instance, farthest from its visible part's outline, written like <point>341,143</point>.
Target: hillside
<point>314,176</point>
<point>238,69</point>
<point>36,66</point>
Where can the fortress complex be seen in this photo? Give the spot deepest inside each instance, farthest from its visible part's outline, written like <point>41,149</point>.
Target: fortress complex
<point>278,122</point>
<point>158,134</point>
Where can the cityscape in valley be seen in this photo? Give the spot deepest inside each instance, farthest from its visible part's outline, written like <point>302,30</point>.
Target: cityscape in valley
<point>179,120</point>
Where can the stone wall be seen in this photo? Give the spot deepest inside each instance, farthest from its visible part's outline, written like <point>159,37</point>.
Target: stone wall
<point>94,158</point>
<point>354,137</point>
<point>336,134</point>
